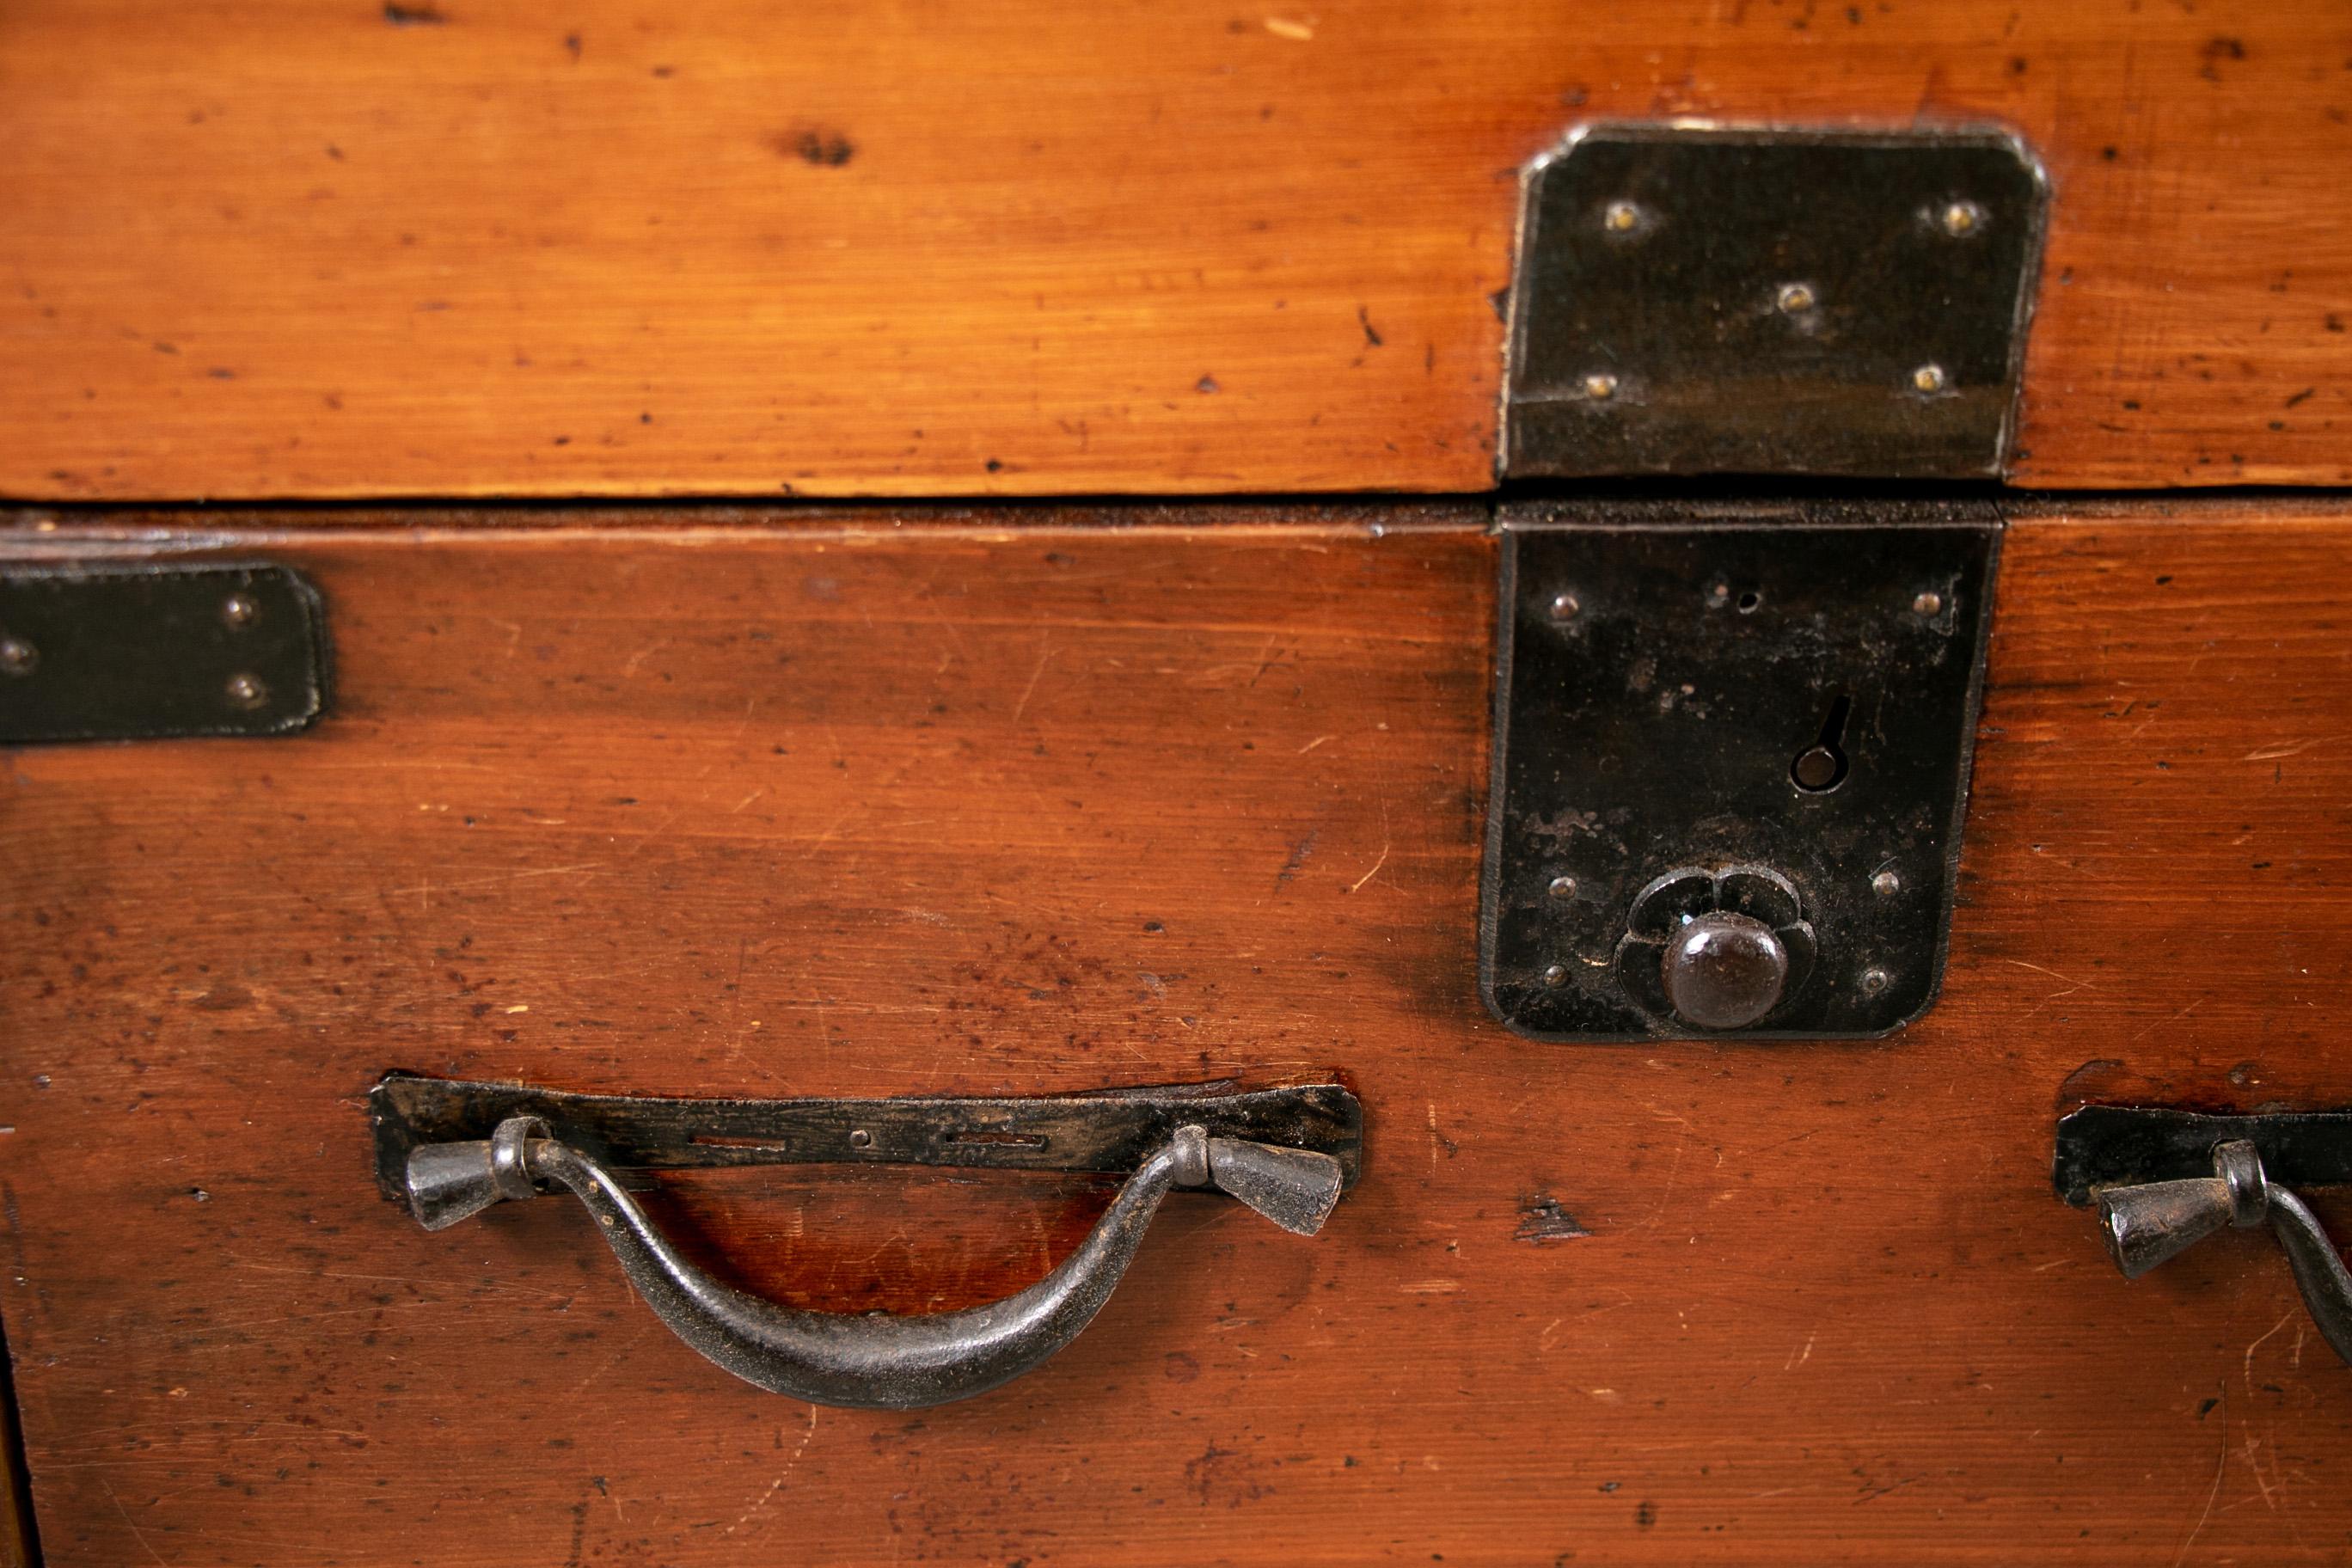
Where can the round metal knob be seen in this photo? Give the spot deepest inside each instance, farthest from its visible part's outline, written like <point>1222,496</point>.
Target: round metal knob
<point>1725,971</point>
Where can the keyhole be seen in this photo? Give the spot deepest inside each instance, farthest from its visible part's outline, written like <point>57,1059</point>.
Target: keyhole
<point>1821,766</point>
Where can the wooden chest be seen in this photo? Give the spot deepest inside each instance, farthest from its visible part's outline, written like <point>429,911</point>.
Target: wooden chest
<point>1013,751</point>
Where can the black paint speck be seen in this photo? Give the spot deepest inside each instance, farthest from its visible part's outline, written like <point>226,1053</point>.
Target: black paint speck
<point>2215,51</point>
<point>414,15</point>
<point>1371,334</point>
<point>816,145</point>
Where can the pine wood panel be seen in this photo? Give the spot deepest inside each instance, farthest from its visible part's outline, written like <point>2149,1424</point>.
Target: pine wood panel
<point>269,247</point>
<point>838,809</point>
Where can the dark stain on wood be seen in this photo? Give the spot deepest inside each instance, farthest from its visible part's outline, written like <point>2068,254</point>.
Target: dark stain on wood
<point>1542,1220</point>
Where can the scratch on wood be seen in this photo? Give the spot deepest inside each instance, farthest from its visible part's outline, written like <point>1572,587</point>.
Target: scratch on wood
<point>782,1476</point>
<point>1044,652</point>
<point>2274,1328</point>
<point>2052,972</point>
<point>427,889</point>
<point>136,1534</point>
<point>2221,1464</point>
<point>2286,748</point>
<point>1438,1140</point>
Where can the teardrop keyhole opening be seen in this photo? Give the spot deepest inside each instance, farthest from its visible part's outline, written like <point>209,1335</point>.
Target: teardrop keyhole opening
<point>1822,766</point>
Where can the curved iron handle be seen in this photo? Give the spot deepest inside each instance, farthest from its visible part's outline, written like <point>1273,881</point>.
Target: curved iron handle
<point>2150,1222</point>
<point>869,1361</point>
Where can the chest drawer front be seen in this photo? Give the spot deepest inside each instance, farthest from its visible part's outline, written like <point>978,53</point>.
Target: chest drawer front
<point>840,807</point>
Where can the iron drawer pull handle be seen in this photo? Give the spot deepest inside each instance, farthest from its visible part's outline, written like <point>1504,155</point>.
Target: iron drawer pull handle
<point>875,1360</point>
<point>2146,1223</point>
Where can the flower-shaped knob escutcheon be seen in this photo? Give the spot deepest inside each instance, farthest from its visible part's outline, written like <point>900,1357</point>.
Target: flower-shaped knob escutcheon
<point>1717,949</point>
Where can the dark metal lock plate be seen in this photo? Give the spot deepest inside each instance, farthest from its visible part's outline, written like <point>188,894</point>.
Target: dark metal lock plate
<point>141,653</point>
<point>1705,300</point>
<point>1758,718</point>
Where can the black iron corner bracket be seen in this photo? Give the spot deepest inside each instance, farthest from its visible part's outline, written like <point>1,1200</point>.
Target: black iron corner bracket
<point>1696,299</point>
<point>151,652</point>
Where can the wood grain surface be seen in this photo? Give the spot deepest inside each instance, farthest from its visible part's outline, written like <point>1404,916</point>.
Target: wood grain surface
<point>837,808</point>
<point>591,247</point>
